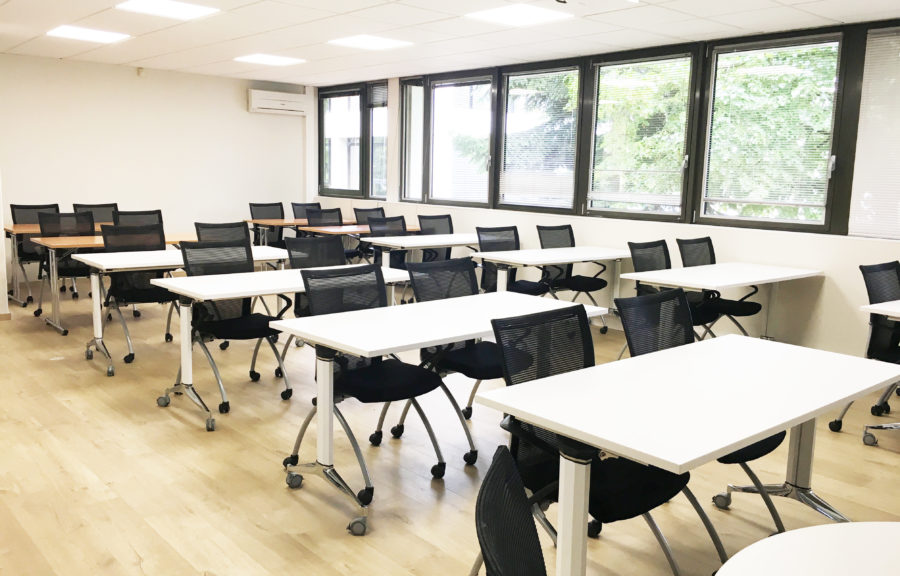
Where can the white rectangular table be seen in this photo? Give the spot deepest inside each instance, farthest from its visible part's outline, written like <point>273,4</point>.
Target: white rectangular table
<point>424,241</point>
<point>891,309</point>
<point>109,262</point>
<point>380,331</point>
<point>193,289</point>
<point>506,259</point>
<point>726,275</point>
<point>774,387</point>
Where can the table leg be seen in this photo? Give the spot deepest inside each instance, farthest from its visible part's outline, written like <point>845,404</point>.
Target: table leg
<point>185,380</point>
<point>614,281</point>
<point>571,538</point>
<point>770,305</point>
<point>15,294</point>
<point>502,277</point>
<point>325,409</point>
<point>53,320</point>
<point>97,317</point>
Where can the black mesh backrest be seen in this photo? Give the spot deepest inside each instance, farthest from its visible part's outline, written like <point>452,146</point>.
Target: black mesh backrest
<point>393,226</point>
<point>882,285</point>
<point>656,321</point>
<point>504,524</point>
<point>313,252</point>
<point>101,212</point>
<point>268,211</point>
<point>137,217</point>
<point>66,224</point>
<point>363,214</point>
<point>300,208</point>
<point>649,256</point>
<point>556,237</point>
<point>344,289</point>
<point>202,258</point>
<point>222,232</point>
<point>442,279</point>
<point>696,251</point>
<point>28,214</point>
<point>439,224</point>
<point>324,217</point>
<point>133,238</point>
<point>496,239</point>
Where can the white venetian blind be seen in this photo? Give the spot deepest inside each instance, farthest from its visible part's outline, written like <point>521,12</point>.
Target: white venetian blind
<point>875,204</point>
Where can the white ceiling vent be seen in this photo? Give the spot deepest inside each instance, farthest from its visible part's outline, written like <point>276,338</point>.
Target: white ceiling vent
<point>266,102</point>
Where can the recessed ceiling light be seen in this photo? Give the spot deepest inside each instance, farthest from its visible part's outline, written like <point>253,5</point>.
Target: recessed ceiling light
<point>367,42</point>
<point>269,60</point>
<point>519,15</point>
<point>87,34</point>
<point>167,9</point>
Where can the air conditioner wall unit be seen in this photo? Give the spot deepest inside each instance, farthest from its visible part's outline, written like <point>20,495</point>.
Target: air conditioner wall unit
<point>266,102</point>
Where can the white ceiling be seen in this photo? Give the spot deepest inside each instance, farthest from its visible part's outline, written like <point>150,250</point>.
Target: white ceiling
<point>442,38</point>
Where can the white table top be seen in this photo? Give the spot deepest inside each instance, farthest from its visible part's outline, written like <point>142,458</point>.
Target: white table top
<point>670,408</point>
<point>420,241</point>
<point>890,309</point>
<point>160,259</point>
<point>721,276</point>
<point>248,284</point>
<point>547,256</point>
<point>830,550</point>
<point>379,331</point>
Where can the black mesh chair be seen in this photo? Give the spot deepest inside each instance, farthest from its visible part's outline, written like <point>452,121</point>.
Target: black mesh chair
<point>220,231</point>
<point>393,226</point>
<point>560,277</point>
<point>882,285</point>
<point>700,252</point>
<point>440,224</point>
<point>27,251</point>
<point>649,256</point>
<point>300,208</point>
<point>369,380</point>
<point>663,320</point>
<point>324,217</point>
<point>137,217</point>
<point>555,342</point>
<point>228,319</point>
<point>363,248</point>
<point>499,239</point>
<point>102,213</point>
<point>54,224</point>
<point>506,532</point>
<point>127,288</point>
<point>268,235</point>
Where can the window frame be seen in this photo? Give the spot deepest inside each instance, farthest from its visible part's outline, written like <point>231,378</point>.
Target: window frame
<point>367,121</point>
<point>338,92</point>
<point>404,137</point>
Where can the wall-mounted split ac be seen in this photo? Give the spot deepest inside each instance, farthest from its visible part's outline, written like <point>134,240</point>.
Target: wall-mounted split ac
<point>266,102</point>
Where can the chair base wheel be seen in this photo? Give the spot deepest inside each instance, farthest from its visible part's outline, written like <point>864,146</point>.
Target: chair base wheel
<point>24,304</point>
<point>163,401</point>
<point>365,495</point>
<point>278,373</point>
<point>31,299</point>
<point>168,337</point>
<point>471,457</point>
<point>74,295</point>
<point>136,313</point>
<point>881,409</point>
<point>225,407</point>
<point>291,460</point>
<point>254,376</point>
<point>835,425</point>
<point>64,332</point>
<point>88,354</point>
<point>129,358</point>
<point>437,471</point>
<point>294,480</point>
<point>594,528</point>
<point>375,438</point>
<point>110,371</point>
<point>467,412</point>
<point>210,424</point>
<point>397,431</point>
<point>604,329</point>
<point>722,501</point>
<point>869,439</point>
<point>38,312</point>
<point>286,394</point>
<point>223,345</point>
<point>357,526</point>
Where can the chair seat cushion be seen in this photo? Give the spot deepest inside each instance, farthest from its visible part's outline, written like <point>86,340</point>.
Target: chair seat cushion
<point>892,355</point>
<point>528,287</point>
<point>143,296</point>
<point>386,381</point>
<point>477,360</point>
<point>622,489</point>
<point>583,284</point>
<point>736,307</point>
<point>755,450</point>
<point>244,328</point>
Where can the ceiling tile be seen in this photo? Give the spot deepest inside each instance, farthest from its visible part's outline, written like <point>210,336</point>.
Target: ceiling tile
<point>338,6</point>
<point>642,17</point>
<point>701,29</point>
<point>401,15</point>
<point>853,11</point>
<point>709,8</point>
<point>773,19</point>
<point>458,7</point>
<point>51,47</point>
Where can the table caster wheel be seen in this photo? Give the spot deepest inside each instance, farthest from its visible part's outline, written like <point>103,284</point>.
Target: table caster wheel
<point>437,471</point>
<point>24,304</point>
<point>291,460</point>
<point>467,412</point>
<point>210,424</point>
<point>722,501</point>
<point>129,358</point>
<point>89,354</point>
<point>224,407</point>
<point>110,371</point>
<point>254,375</point>
<point>38,312</point>
<point>357,526</point>
<point>294,480</point>
<point>286,394</point>
<point>869,439</point>
<point>835,425</point>
<point>365,495</point>
<point>163,401</point>
<point>471,457</point>
<point>397,431</point>
<point>594,528</point>
<point>375,438</point>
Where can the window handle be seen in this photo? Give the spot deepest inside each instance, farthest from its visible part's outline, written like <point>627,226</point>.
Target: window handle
<point>685,162</point>
<point>832,162</point>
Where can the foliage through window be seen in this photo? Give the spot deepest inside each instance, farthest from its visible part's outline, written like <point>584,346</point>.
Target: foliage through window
<point>340,146</point>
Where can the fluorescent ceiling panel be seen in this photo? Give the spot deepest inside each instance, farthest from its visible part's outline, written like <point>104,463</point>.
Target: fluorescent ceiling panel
<point>167,9</point>
<point>87,34</point>
<point>269,60</point>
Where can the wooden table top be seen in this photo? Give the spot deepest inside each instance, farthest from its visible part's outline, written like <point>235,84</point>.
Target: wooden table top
<point>286,222</point>
<point>36,228</point>
<point>65,242</point>
<point>351,229</point>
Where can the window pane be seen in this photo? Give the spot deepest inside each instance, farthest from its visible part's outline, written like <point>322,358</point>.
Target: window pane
<point>770,134</point>
<point>539,140</point>
<point>341,129</point>
<point>378,183</point>
<point>460,147</point>
<point>413,140</point>
<point>640,135</point>
<point>875,208</point>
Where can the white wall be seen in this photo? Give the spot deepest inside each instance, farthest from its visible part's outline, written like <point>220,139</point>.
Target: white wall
<point>82,132</point>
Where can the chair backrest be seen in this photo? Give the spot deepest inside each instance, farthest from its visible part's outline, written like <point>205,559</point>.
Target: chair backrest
<point>66,224</point>
<point>344,289</point>
<point>101,212</point>
<point>882,285</point>
<point>442,279</point>
<point>300,208</point>
<point>324,217</point>
<point>268,210</point>
<point>496,239</point>
<point>656,321</point>
<point>363,214</point>
<point>393,226</point>
<point>222,232</point>
<point>202,258</point>
<point>133,238</point>
<point>696,251</point>
<point>649,256</point>
<point>137,217</point>
<point>28,214</point>
<point>503,522</point>
<point>439,224</point>
<point>315,251</point>
<point>556,237</point>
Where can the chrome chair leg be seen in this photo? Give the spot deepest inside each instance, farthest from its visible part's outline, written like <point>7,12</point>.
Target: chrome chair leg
<point>169,322</point>
<point>438,469</point>
<point>287,392</point>
<point>130,357</point>
<point>253,375</point>
<point>224,406</point>
<point>467,411</point>
<point>766,491</point>
<point>663,543</point>
<point>302,432</point>
<point>707,523</point>
<point>472,455</point>
<point>476,566</point>
<point>29,298</point>
<point>359,455</point>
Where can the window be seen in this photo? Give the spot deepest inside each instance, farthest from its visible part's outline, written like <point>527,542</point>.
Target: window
<point>539,139</point>
<point>460,141</point>
<point>378,131</point>
<point>769,143</point>
<point>640,136</point>
<point>340,144</point>
<point>413,118</point>
<point>875,207</point>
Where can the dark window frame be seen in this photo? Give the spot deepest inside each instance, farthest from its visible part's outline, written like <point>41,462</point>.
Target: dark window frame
<point>370,148</point>
<point>404,136</point>
<point>337,92</point>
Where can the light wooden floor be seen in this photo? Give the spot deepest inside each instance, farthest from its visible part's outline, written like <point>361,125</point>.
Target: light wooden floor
<point>96,479</point>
